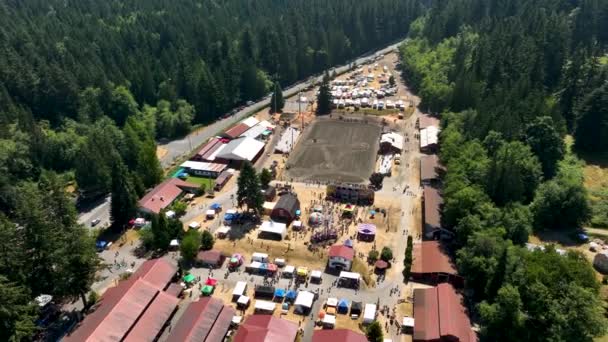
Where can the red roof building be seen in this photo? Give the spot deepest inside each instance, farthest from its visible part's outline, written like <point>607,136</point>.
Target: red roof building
<point>429,169</point>
<point>208,319</point>
<point>440,316</point>
<point>236,131</point>
<point>426,120</point>
<point>207,152</point>
<point>137,307</point>
<point>432,202</point>
<point>164,194</point>
<point>266,328</point>
<point>337,335</point>
<point>342,251</point>
<point>432,264</point>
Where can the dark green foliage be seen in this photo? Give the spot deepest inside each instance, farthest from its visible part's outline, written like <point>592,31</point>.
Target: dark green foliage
<point>374,332</point>
<point>391,81</point>
<point>124,198</point>
<point>190,245</point>
<point>324,97</point>
<point>386,254</point>
<point>562,203</point>
<point>207,240</point>
<point>372,256</point>
<point>545,142</point>
<point>409,258</point>
<point>376,180</point>
<point>160,230</point>
<point>277,102</point>
<point>18,312</point>
<point>249,191</point>
<point>591,130</point>
<point>265,178</point>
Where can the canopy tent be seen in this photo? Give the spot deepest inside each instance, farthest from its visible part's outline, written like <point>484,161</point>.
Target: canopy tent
<point>330,310</point>
<point>210,213</point>
<point>279,262</point>
<point>100,245</point>
<point>315,276</point>
<point>332,301</point>
<point>408,323</point>
<point>264,291</point>
<point>297,225</point>
<point>189,278</point>
<point>366,232</point>
<point>239,290</point>
<point>261,257</point>
<point>304,302</point>
<point>222,231</point>
<point>279,293</point>
<point>207,290</point>
<point>355,308</point>
<point>350,275</point>
<point>264,306</point>
<point>236,260</point>
<point>243,301</point>
<point>315,219</point>
<point>302,272</point>
<point>369,314</point>
<point>174,243</point>
<point>289,270</point>
<point>215,206</point>
<point>343,306</point>
<point>211,282</point>
<point>291,294</point>
<point>273,230</point>
<point>329,321</point>
<point>194,225</point>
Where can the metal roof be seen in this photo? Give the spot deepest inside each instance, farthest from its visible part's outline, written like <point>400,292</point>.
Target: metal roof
<point>204,166</point>
<point>157,272</point>
<point>264,328</point>
<point>164,194</point>
<point>341,251</point>
<point>154,318</point>
<point>429,136</point>
<point>429,165</point>
<point>241,149</point>
<point>429,257</point>
<point>439,314</point>
<point>203,321</point>
<point>427,120</point>
<point>432,207</point>
<point>236,130</point>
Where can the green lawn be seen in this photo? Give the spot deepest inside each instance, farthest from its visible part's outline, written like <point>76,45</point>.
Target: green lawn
<point>209,183</point>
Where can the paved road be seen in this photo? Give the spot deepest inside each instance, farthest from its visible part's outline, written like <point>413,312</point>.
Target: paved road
<point>182,147</point>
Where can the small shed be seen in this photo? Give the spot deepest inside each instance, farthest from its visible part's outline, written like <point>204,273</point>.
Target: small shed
<point>210,259</point>
<point>240,289</point>
<point>285,209</point>
<point>304,302</point>
<point>369,314</point>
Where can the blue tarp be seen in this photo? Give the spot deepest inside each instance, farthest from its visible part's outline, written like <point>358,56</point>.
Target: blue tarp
<point>215,206</point>
<point>348,243</point>
<point>178,172</point>
<point>101,244</point>
<point>298,212</point>
<point>291,294</point>
<point>279,293</point>
<point>343,304</point>
<point>229,217</point>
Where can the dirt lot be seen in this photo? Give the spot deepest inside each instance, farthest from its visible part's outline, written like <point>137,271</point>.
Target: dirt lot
<point>335,150</point>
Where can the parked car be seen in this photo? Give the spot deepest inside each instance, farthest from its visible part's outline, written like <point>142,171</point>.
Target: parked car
<point>95,222</point>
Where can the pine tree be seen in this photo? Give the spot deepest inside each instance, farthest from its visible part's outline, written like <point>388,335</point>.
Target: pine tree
<point>249,191</point>
<point>374,332</point>
<point>277,102</point>
<point>324,97</point>
<point>265,178</point>
<point>124,198</point>
<point>160,230</point>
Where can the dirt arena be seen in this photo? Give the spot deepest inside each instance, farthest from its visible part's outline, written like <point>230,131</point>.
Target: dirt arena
<point>335,150</point>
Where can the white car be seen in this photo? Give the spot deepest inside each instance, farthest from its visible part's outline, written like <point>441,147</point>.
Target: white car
<point>95,222</point>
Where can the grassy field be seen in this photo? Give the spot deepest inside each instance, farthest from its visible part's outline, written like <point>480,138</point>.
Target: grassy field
<point>209,183</point>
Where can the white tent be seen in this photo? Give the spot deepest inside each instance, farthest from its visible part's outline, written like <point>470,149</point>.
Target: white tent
<point>394,139</point>
<point>210,213</point>
<point>288,140</point>
<point>350,275</point>
<point>264,306</point>
<point>260,257</point>
<point>279,262</point>
<point>275,228</point>
<point>194,225</point>
<point>332,302</point>
<point>369,314</point>
<point>170,214</point>
<point>288,271</point>
<point>241,149</point>
<point>223,230</point>
<point>174,243</point>
<point>303,302</point>
<point>239,289</point>
<point>429,136</point>
<point>329,321</point>
<point>250,121</point>
<point>316,274</point>
<point>408,322</point>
